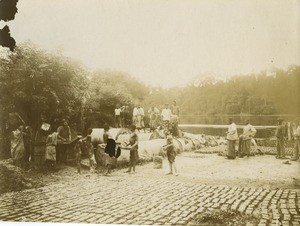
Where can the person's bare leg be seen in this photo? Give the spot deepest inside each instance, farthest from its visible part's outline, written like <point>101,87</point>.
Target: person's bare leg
<point>171,169</point>
<point>175,169</point>
<point>129,170</point>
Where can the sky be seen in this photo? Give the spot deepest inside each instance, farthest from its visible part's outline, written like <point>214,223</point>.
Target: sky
<point>165,42</point>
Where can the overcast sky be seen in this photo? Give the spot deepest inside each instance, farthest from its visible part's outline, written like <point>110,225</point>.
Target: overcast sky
<point>163,42</point>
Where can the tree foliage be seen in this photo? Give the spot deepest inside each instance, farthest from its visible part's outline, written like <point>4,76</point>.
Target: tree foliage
<point>107,89</point>
<point>256,94</point>
<point>34,82</point>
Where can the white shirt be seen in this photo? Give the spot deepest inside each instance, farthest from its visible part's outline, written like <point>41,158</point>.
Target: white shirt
<point>118,111</point>
<point>248,131</point>
<point>232,132</point>
<point>135,112</point>
<point>297,132</point>
<point>140,111</point>
<point>166,114</point>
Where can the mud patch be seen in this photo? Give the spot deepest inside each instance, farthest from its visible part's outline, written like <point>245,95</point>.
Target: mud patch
<point>220,217</point>
<point>15,179</point>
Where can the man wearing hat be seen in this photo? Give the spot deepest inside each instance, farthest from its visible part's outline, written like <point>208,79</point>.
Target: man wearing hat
<point>296,136</point>
<point>280,135</point>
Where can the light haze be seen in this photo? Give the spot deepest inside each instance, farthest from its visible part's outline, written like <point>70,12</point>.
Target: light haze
<point>165,43</point>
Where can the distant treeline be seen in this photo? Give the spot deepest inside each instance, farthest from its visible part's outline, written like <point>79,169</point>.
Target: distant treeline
<point>275,93</point>
<point>42,86</point>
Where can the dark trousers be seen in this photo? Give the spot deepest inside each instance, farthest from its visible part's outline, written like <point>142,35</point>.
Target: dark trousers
<point>61,153</point>
<point>280,148</point>
<point>231,149</point>
<point>246,147</point>
<point>296,150</point>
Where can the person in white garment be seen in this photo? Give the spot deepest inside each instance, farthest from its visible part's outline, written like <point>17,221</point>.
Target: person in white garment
<point>296,136</point>
<point>248,133</point>
<point>118,120</point>
<point>166,115</point>
<point>232,137</point>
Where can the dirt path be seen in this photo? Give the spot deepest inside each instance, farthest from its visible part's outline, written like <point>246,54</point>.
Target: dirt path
<point>211,169</point>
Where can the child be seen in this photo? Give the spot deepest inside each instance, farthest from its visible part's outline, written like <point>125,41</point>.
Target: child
<point>109,148</point>
<point>90,149</point>
<point>50,153</point>
<point>77,151</point>
<point>171,154</point>
<point>133,147</point>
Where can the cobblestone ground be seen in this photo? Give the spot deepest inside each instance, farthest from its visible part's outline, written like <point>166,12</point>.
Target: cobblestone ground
<point>139,199</point>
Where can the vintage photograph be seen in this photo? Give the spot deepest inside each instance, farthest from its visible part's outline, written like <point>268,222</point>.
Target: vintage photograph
<point>150,112</point>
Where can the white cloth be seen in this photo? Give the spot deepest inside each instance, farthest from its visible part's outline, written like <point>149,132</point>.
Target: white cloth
<point>140,111</point>
<point>135,112</point>
<point>118,111</point>
<point>232,132</point>
<point>45,126</point>
<point>297,132</point>
<point>248,132</point>
<point>50,153</point>
<point>166,114</point>
<point>17,145</point>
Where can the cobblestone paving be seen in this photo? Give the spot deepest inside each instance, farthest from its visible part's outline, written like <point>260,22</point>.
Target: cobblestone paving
<point>134,199</point>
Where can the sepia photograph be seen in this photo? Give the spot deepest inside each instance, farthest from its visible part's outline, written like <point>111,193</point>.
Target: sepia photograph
<point>150,112</point>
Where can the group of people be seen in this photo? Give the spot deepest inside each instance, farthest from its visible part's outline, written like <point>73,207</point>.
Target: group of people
<point>103,157</point>
<point>167,118</point>
<point>110,150</point>
<point>244,139</point>
<point>21,145</point>
<point>282,132</point>
<point>247,138</point>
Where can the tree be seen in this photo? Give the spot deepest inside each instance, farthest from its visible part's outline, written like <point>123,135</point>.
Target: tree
<point>107,89</point>
<point>34,83</point>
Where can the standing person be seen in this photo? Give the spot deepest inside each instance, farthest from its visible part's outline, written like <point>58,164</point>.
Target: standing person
<point>17,146</point>
<point>175,109</point>
<point>140,118</point>
<point>134,115</point>
<point>64,135</point>
<point>118,120</point>
<point>166,117</point>
<point>231,136</point>
<point>175,119</point>
<point>50,153</point>
<point>90,149</point>
<point>133,147</point>
<point>296,136</point>
<point>126,115</point>
<point>109,146</point>
<point>171,154</point>
<point>78,153</point>
<point>123,117</point>
<point>248,132</point>
<point>153,115</point>
<point>280,134</point>
<point>27,136</point>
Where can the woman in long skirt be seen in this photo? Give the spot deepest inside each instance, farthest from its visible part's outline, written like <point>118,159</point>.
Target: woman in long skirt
<point>231,137</point>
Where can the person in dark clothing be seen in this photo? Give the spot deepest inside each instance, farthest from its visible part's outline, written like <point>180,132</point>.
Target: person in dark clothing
<point>133,147</point>
<point>64,135</point>
<point>171,154</point>
<point>109,146</point>
<point>27,138</point>
<point>280,135</point>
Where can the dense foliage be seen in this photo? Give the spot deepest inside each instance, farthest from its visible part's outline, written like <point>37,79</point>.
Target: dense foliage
<point>35,83</point>
<point>255,94</point>
<point>107,89</point>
